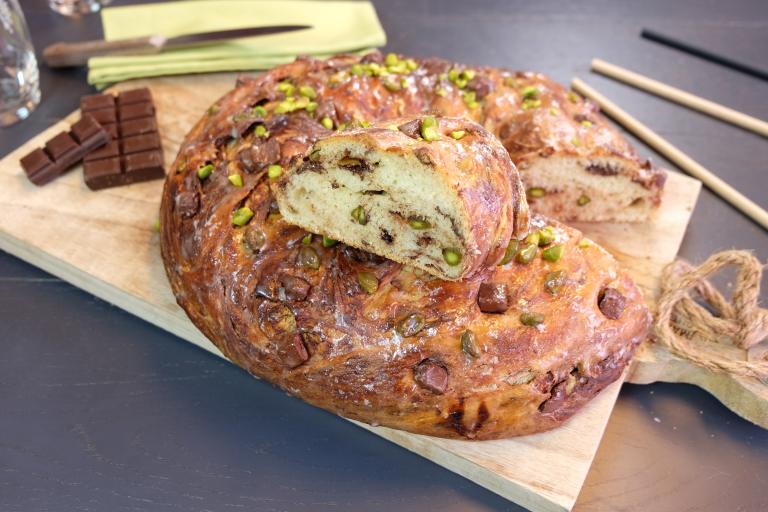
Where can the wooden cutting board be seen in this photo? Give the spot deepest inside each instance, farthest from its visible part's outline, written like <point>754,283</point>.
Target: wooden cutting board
<point>104,243</point>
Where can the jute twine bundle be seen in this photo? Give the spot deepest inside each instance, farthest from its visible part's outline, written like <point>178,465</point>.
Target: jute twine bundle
<point>693,331</point>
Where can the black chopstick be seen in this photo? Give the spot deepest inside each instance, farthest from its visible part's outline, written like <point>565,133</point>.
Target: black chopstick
<point>704,54</point>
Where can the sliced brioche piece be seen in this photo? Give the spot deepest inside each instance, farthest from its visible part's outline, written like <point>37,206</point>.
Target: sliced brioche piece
<point>574,164</point>
<point>439,194</point>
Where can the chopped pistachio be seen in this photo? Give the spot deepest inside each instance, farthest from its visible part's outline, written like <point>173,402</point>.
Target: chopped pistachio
<point>391,59</point>
<point>510,82</point>
<point>205,171</point>
<point>365,124</point>
<point>553,281</point>
<point>535,192</point>
<point>403,82</point>
<point>327,123</point>
<point>523,377</point>
<point>546,236</point>
<point>553,111</point>
<point>530,92</point>
<point>575,141</point>
<point>411,64</point>
<point>418,223</point>
<point>440,91</point>
<point>398,69</point>
<point>356,70</point>
<point>469,344</point>
<point>586,124</point>
<point>583,200</point>
<point>531,103</point>
<point>533,238</point>
<point>458,134</point>
<point>531,319</point>
<point>284,107</point>
<point>368,282</point>
<point>453,74</point>
<point>236,180</point>
<point>391,86</point>
<point>468,74</point>
<point>156,225</point>
<point>584,243</point>
<point>510,252</point>
<point>429,129</point>
<point>341,127</point>
<point>307,239</point>
<point>242,216</point>
<point>393,127</point>
<point>470,99</point>
<point>552,253</point>
<point>308,257</point>
<point>212,110</point>
<point>286,87</point>
<point>573,97</point>
<point>274,171</point>
<point>260,111</point>
<point>526,254</point>
<point>358,214</point>
<point>307,92</point>
<point>261,131</point>
<point>329,242</point>
<point>452,256</point>
<point>461,83</point>
<point>410,325</point>
<point>311,106</point>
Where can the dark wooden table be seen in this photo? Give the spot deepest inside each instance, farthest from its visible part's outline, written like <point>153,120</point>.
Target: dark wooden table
<point>101,411</point>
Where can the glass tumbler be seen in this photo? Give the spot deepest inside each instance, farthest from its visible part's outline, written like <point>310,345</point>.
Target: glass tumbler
<point>76,7</point>
<point>19,79</point>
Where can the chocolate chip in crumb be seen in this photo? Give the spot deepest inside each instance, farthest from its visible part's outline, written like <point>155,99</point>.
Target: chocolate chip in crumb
<point>431,375</point>
<point>295,288</point>
<point>187,204</point>
<point>254,238</point>
<point>611,303</point>
<point>493,297</point>
<point>422,154</point>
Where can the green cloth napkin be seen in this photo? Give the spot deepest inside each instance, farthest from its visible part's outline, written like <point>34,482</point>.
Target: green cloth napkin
<point>338,26</point>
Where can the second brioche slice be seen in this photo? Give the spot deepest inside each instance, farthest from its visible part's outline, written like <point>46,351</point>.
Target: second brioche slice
<point>440,194</point>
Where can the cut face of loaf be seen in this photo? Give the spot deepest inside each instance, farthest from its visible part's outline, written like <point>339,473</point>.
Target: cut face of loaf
<point>441,195</point>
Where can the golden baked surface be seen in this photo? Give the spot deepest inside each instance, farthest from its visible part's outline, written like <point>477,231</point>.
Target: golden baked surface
<point>515,349</point>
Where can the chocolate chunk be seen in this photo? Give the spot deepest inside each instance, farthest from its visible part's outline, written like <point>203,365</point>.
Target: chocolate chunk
<point>97,101</point>
<point>187,204</point>
<point>611,303</point>
<point>482,85</point>
<point>63,151</point>
<point>293,352</point>
<point>423,156</point>
<point>136,111</point>
<point>134,96</point>
<point>295,288</point>
<point>135,153</point>
<point>411,128</point>
<point>431,375</point>
<point>493,298</point>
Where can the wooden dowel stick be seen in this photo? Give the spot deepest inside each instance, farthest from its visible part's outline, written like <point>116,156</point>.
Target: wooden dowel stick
<point>685,162</point>
<point>681,97</point>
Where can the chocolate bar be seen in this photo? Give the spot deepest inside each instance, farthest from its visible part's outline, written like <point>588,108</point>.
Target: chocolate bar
<point>135,152</point>
<point>64,150</point>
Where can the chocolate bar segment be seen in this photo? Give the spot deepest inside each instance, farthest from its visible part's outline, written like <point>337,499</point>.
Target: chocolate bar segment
<point>135,153</point>
<point>63,151</point>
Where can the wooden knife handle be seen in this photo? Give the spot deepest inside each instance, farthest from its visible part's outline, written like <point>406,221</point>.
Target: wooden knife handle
<point>61,55</point>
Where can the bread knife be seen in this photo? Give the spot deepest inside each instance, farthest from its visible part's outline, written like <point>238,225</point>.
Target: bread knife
<point>61,55</point>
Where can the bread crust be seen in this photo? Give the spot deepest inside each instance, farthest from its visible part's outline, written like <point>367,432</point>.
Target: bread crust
<point>401,356</point>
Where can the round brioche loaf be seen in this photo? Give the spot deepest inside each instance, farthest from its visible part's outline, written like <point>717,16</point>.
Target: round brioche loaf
<point>448,205</point>
<point>516,348</point>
